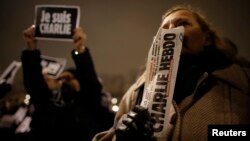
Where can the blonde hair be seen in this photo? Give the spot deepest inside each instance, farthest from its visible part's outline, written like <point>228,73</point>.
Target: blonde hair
<point>214,36</point>
<point>198,14</point>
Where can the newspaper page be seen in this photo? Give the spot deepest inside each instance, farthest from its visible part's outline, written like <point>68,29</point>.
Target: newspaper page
<point>161,71</point>
<point>53,66</point>
<point>56,22</point>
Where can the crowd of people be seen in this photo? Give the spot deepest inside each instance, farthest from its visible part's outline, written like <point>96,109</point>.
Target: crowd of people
<point>80,115</point>
<point>212,87</point>
<point>73,106</point>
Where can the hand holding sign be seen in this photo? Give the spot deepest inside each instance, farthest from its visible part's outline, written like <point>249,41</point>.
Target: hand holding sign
<point>29,38</point>
<point>79,40</point>
<point>53,66</point>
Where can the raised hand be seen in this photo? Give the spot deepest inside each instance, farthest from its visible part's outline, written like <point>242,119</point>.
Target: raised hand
<point>29,37</point>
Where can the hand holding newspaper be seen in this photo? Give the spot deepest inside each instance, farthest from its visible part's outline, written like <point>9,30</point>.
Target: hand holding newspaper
<point>161,71</point>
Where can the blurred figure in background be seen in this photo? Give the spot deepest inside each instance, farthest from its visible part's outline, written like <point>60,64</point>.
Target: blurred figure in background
<point>82,115</point>
<point>15,110</point>
<point>4,89</point>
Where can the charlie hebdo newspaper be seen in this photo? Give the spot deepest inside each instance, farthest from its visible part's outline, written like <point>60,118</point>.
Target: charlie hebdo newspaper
<point>161,71</point>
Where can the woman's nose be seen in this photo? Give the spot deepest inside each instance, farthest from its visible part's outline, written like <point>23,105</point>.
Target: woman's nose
<point>171,26</point>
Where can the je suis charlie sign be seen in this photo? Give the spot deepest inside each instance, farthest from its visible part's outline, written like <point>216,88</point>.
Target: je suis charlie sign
<point>56,22</point>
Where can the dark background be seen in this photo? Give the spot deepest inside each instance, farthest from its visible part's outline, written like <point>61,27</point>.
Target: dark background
<point>119,32</point>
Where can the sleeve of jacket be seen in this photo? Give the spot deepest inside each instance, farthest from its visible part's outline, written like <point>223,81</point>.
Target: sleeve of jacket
<point>87,76</point>
<point>127,102</point>
<point>34,82</point>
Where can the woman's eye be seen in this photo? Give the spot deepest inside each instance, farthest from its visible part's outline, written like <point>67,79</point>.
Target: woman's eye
<point>183,23</point>
<point>165,26</point>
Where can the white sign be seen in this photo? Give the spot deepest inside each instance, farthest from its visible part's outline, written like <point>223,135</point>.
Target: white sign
<point>10,72</point>
<point>53,66</point>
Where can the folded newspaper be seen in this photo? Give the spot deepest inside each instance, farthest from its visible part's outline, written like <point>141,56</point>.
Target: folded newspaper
<point>161,72</point>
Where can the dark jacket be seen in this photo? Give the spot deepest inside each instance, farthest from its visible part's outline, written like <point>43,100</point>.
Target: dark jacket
<point>74,120</point>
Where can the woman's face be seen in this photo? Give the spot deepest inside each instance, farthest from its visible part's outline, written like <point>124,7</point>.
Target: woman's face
<point>194,38</point>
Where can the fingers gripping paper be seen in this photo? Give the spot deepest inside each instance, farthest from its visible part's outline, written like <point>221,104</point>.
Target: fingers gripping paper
<point>161,70</point>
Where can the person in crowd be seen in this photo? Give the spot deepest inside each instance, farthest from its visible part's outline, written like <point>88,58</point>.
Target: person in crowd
<point>78,116</point>
<point>5,88</point>
<point>210,89</point>
<point>15,114</point>
<point>6,82</point>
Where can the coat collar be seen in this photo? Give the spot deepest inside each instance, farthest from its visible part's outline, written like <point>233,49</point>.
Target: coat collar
<point>236,76</point>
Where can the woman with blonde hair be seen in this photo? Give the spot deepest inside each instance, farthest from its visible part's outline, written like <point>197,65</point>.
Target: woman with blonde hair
<point>210,89</point>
